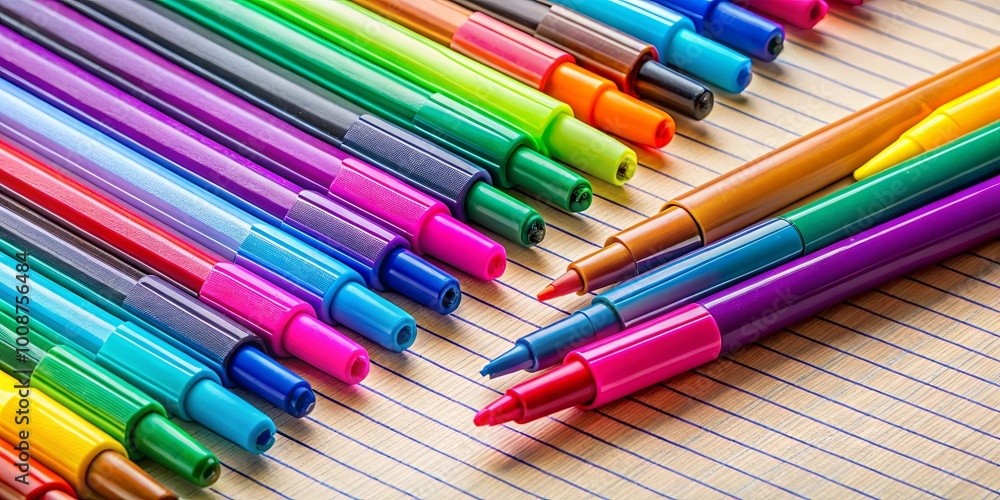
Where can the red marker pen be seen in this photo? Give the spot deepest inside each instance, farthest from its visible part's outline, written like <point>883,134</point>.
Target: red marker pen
<point>287,325</point>
<point>39,483</point>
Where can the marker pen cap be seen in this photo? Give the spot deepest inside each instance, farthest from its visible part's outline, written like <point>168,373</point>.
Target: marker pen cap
<point>422,281</point>
<point>667,88</point>
<point>649,353</point>
<point>229,416</point>
<point>709,61</point>
<point>396,332</point>
<point>800,13</point>
<point>421,163</point>
<point>477,136</point>
<point>736,27</point>
<point>265,377</point>
<point>456,244</point>
<point>309,340</point>
<point>41,483</point>
<point>317,278</point>
<point>504,215</point>
<point>187,389</point>
<point>126,414</point>
<point>549,181</point>
<point>278,315</point>
<point>205,333</point>
<point>320,221</point>
<point>59,439</point>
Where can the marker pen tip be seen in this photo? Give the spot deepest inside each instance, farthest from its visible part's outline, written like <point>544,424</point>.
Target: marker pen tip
<point>499,412</point>
<point>516,359</point>
<point>566,284</point>
<point>111,475</point>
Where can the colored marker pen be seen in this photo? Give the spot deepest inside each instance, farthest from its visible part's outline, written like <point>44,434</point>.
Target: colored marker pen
<point>799,13</point>
<point>40,484</point>
<point>961,116</point>
<point>462,186</point>
<point>380,256</point>
<point>674,37</point>
<point>262,138</point>
<point>183,386</point>
<point>549,122</point>
<point>334,290</point>
<point>629,62</point>
<point>595,100</point>
<point>287,324</point>
<point>235,354</point>
<point>732,318</point>
<point>733,26</point>
<point>87,458</point>
<point>101,398</point>
<point>761,247</point>
<point>505,152</point>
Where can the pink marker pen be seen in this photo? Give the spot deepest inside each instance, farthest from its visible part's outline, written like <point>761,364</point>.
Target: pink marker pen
<point>264,138</point>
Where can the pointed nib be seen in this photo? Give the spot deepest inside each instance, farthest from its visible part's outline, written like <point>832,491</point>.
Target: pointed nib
<point>499,412</point>
<point>517,359</point>
<point>566,284</point>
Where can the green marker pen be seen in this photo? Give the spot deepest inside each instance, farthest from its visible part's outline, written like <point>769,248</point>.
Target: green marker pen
<point>509,155</point>
<point>111,404</point>
<point>548,121</point>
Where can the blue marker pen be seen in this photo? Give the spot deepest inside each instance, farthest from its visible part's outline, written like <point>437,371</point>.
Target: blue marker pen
<point>733,26</point>
<point>334,290</point>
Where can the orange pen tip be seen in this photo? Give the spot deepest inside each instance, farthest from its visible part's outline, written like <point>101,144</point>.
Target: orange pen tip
<point>633,120</point>
<point>566,284</point>
<point>111,475</point>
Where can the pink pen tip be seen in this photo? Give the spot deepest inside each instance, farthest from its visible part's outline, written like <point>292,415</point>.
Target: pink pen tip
<point>326,348</point>
<point>459,245</point>
<point>499,412</point>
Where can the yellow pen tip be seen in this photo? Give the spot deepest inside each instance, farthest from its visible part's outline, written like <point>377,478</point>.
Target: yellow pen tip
<point>897,153</point>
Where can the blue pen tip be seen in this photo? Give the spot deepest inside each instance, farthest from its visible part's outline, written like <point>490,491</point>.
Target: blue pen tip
<point>517,359</point>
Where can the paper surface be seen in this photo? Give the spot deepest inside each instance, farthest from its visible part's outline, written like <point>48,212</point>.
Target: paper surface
<point>894,393</point>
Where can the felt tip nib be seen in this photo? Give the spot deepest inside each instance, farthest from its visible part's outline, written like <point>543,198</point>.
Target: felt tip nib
<point>564,285</point>
<point>517,359</point>
<point>499,412</point>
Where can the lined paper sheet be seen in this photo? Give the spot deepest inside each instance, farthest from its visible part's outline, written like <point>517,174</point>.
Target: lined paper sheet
<point>894,393</point>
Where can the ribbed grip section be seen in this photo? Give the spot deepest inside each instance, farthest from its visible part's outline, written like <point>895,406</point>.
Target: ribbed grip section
<point>93,393</point>
<point>28,232</point>
<point>188,321</point>
<point>508,50</point>
<point>419,162</point>
<point>402,211</point>
<point>362,243</point>
<point>254,302</point>
<point>596,46</point>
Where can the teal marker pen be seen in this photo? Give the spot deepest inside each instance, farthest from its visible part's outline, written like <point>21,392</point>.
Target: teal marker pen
<point>183,386</point>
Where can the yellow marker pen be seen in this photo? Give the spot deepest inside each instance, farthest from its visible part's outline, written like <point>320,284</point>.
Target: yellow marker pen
<point>87,458</point>
<point>966,114</point>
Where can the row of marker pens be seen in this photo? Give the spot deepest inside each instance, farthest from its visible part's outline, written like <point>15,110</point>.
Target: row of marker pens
<point>191,188</point>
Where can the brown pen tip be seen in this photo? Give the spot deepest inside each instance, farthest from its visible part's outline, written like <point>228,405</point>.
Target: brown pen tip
<point>113,476</point>
<point>566,284</point>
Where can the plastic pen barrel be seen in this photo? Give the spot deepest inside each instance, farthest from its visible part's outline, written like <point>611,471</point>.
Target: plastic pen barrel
<point>269,142</point>
<point>463,187</point>
<point>549,122</point>
<point>40,483</point>
<point>87,458</point>
<point>322,222</point>
<point>183,386</point>
<point>333,289</point>
<point>287,324</point>
<point>505,152</point>
<point>235,354</point>
<point>595,100</point>
<point>674,37</point>
<point>111,404</point>
<point>733,26</point>
<point>799,13</point>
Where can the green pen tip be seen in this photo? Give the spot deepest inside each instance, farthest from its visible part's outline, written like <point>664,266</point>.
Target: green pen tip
<point>581,198</point>
<point>162,441</point>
